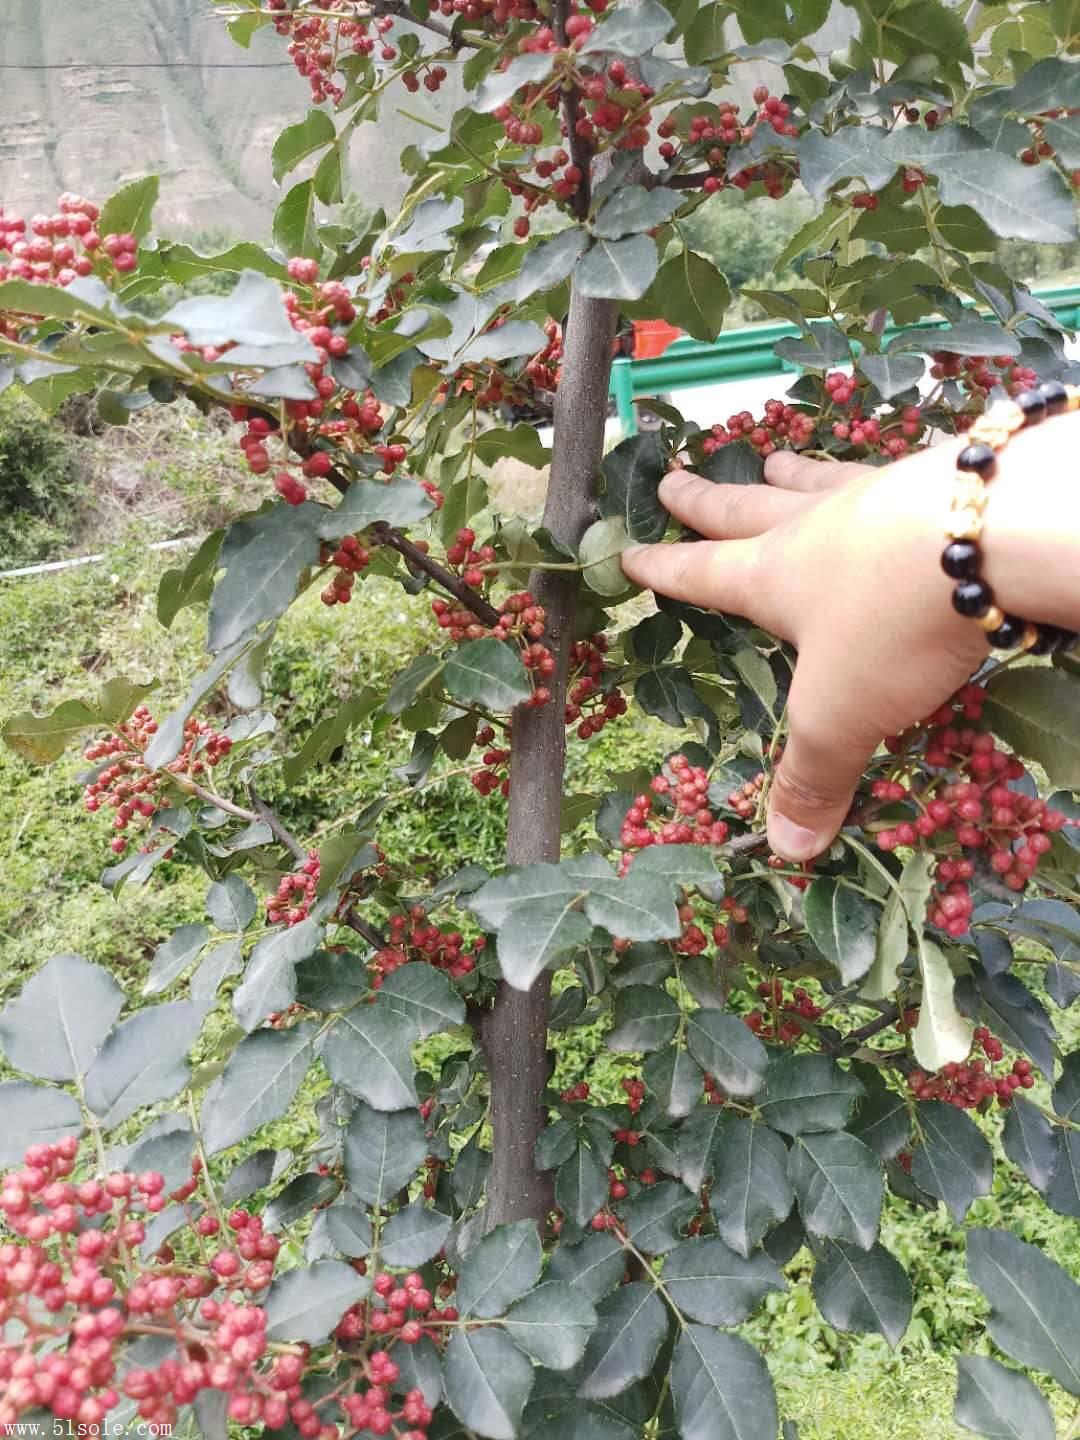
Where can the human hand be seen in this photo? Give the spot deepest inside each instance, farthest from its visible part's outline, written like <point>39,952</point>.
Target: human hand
<point>841,560</point>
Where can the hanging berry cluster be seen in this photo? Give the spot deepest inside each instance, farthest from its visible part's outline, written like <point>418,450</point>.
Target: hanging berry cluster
<point>710,134</point>
<point>291,902</point>
<point>319,43</point>
<point>590,705</point>
<point>952,778</point>
<point>682,790</point>
<point>127,785</point>
<point>415,937</point>
<point>780,1020</point>
<point>967,1085</point>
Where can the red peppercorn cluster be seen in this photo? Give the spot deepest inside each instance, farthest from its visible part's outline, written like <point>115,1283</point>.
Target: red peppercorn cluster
<point>635,1094</point>
<point>127,785</point>
<point>969,1084</point>
<point>890,438</point>
<point>711,134</point>
<point>683,790</point>
<point>712,1093</point>
<point>350,557</point>
<point>589,705</point>
<point>431,76</point>
<point>57,249</point>
<point>771,1024</point>
<point>291,902</point>
<point>967,807</point>
<point>415,937</point>
<point>576,1093</point>
<point>318,43</point>
<point>979,374</point>
<point>747,797</point>
<point>1040,148</point>
<point>617,1188</point>
<point>780,425</point>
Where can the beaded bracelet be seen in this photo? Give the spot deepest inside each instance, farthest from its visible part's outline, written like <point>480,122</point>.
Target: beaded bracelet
<point>976,466</point>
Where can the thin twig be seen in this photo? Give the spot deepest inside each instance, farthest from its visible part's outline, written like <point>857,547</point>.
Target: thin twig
<point>263,812</point>
<point>374,937</point>
<point>418,559</point>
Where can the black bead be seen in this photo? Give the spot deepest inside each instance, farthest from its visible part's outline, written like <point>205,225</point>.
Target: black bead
<point>978,458</point>
<point>1053,638</point>
<point>960,560</point>
<point>1033,405</point>
<point>1069,642</point>
<point>1055,395</point>
<point>972,598</point>
<point>1008,634</point>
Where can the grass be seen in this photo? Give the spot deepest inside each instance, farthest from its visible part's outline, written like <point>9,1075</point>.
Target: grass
<point>60,634</point>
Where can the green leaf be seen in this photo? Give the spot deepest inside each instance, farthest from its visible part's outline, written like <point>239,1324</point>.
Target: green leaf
<point>942,1034</point>
<point>1018,202</point>
<point>552,1324</point>
<point>631,1326</point>
<point>300,1198</point>
<point>368,1051</point>
<point>429,226</point>
<point>630,30</point>
<point>263,575</point>
<point>882,1121</point>
<point>926,26</point>
<point>425,997</point>
<point>693,295</point>
<point>349,1228</point>
<point>193,584</point>
<point>1035,1306</point>
<point>953,1163</point>
<point>550,263</point>
<point>183,264</point>
<point>143,1060</point>
<point>892,374</point>
<point>999,1403</point>
<point>751,1192</point>
<point>231,904</point>
<point>169,740</point>
<point>674,1079</point>
<point>487,672</point>
<point>853,152</point>
<point>252,315</point>
<point>724,1048</point>
<point>42,739</point>
<point>60,1019</point>
<point>413,1236</point>
<point>843,925</point>
<point>838,1183</point>
<point>722,1388</point>
<point>130,209</point>
<point>711,1283</point>
<point>34,1115</point>
<point>520,443</point>
<point>487,1382</point>
<point>383,1151</point>
<point>645,1018</point>
<point>600,555</point>
<point>173,956</point>
<point>1037,710</point>
<point>1031,1141</point>
<point>258,1085</point>
<point>632,209</point>
<point>269,982</point>
<point>295,228</point>
<point>806,1093</point>
<point>504,342</point>
<point>306,1304</point>
<point>400,501</point>
<point>500,86</point>
<point>654,1218</point>
<point>617,269</point>
<point>905,906</point>
<point>863,1292</point>
<point>594,1267</point>
<point>296,142</point>
<point>499,1270</point>
<point>963,338</point>
<point>581,1185</point>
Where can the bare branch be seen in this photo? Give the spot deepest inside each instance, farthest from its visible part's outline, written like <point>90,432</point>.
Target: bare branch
<point>263,812</point>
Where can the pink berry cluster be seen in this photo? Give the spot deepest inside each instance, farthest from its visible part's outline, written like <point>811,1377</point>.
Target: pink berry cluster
<point>773,1022</point>
<point>867,432</point>
<point>291,902</point>
<point>780,425</point>
<point>350,557</point>
<point>711,135</point>
<point>683,790</point>
<point>318,43</point>
<point>127,785</point>
<point>590,705</point>
<point>979,374</point>
<point>746,798</point>
<point>968,1084</point>
<point>415,937</point>
<point>957,790</point>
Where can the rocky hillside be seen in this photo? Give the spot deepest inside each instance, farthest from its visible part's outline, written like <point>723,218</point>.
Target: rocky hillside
<point>156,85</point>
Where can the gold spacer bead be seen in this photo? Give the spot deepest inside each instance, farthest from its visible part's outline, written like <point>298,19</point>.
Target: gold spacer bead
<point>1008,414</point>
<point>1074,396</point>
<point>964,525</point>
<point>993,618</point>
<point>1031,635</point>
<point>987,431</point>
<point>969,491</point>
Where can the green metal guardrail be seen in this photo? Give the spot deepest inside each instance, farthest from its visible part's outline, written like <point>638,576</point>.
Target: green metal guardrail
<point>747,354</point>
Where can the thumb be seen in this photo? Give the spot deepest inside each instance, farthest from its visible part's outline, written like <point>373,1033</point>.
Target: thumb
<point>812,790</point>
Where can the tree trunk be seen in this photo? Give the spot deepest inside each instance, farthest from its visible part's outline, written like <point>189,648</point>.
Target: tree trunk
<point>515,1033</point>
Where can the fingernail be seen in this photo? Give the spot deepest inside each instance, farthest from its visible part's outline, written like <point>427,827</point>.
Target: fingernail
<point>631,551</point>
<point>791,841</point>
<point>782,460</point>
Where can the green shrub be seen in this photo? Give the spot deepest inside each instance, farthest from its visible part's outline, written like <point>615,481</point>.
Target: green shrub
<point>41,483</point>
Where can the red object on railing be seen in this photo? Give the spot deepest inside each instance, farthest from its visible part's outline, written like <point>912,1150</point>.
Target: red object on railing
<point>652,338</point>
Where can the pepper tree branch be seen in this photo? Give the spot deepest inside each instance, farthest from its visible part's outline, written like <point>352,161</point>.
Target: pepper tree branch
<point>263,811</point>
<point>579,147</point>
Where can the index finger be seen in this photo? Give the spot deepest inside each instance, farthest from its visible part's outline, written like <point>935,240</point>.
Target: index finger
<point>712,574</point>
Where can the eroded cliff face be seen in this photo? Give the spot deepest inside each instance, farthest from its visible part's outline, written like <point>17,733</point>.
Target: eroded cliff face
<point>207,131</point>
